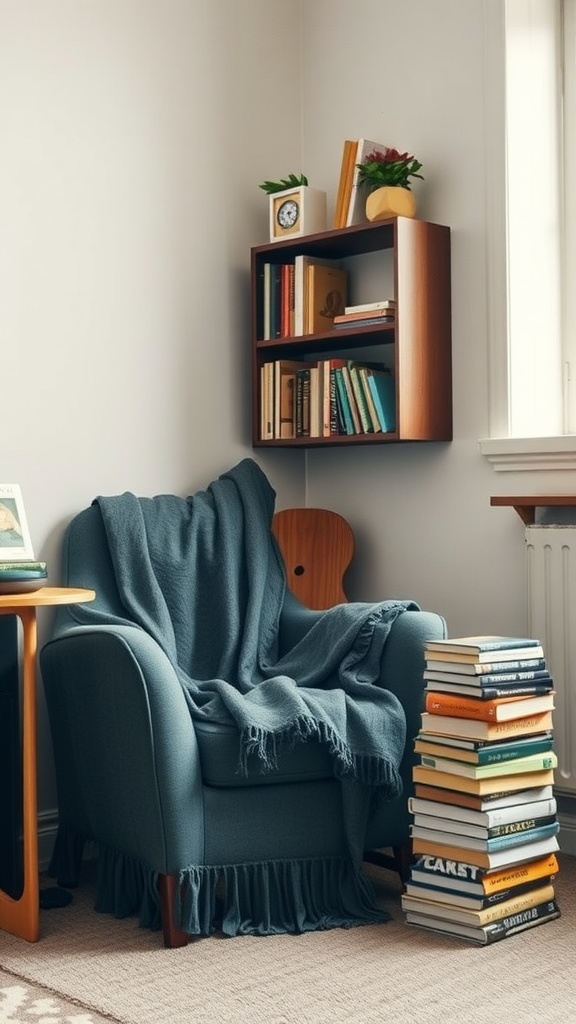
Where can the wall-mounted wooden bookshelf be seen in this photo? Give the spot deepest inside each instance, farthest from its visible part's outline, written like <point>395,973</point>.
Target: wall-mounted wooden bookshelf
<point>416,346</point>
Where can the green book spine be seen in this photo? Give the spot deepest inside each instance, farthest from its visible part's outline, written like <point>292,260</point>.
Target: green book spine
<point>514,751</point>
<point>531,763</point>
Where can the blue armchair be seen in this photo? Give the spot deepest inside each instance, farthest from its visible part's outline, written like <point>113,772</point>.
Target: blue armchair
<point>194,833</point>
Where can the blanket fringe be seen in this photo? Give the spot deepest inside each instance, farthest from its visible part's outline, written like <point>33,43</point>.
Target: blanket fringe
<point>255,741</point>
<point>371,770</point>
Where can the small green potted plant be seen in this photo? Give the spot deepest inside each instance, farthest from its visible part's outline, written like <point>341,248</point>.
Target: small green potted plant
<point>385,176</point>
<point>295,208</point>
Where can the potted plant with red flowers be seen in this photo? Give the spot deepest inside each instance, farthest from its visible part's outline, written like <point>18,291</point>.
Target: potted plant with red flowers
<point>385,175</point>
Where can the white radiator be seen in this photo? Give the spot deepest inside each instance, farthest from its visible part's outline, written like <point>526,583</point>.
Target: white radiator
<point>551,589</point>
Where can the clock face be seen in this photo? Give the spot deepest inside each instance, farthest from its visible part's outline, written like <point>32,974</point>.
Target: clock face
<point>288,213</point>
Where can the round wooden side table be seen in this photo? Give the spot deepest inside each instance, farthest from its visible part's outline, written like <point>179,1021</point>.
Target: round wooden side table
<point>21,916</point>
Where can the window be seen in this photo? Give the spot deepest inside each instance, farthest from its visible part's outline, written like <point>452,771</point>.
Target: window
<point>533,235</point>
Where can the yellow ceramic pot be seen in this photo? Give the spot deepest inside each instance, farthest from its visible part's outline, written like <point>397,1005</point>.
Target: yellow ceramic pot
<point>390,201</point>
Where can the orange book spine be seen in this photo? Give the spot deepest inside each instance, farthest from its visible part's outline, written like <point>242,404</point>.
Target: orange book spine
<point>345,185</point>
<point>543,867</point>
<point>472,707</point>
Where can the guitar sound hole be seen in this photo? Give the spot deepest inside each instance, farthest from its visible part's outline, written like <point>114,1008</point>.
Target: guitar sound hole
<point>299,570</point>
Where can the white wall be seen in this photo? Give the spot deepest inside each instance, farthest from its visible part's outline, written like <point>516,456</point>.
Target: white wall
<point>134,134</point>
<point>411,74</point>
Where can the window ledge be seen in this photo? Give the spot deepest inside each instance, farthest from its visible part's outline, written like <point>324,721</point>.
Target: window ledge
<point>513,454</point>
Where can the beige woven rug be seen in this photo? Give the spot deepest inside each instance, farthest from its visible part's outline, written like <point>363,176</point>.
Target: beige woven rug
<point>88,968</point>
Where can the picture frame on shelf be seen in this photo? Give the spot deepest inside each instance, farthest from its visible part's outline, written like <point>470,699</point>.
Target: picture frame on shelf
<point>15,540</point>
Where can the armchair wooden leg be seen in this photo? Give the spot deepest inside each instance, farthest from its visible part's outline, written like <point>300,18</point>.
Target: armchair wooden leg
<point>403,856</point>
<point>400,860</point>
<point>174,937</point>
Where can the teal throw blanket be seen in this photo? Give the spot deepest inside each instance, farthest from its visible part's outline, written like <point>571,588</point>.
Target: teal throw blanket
<point>203,575</point>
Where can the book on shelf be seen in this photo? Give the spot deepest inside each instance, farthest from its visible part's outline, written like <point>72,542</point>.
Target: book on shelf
<point>478,645</point>
<point>301,264</point>
<point>287,300</point>
<point>351,399</point>
<point>479,729</point>
<point>374,321</point>
<point>480,669</point>
<point>356,208</point>
<point>480,680</point>
<point>343,406</point>
<point>534,688</point>
<point>473,901</point>
<point>320,398</point>
<point>366,314</point>
<point>482,801</point>
<point>361,400</point>
<point>337,425</point>
<point>484,753</point>
<point>489,933</point>
<point>362,372</point>
<point>275,300</point>
<point>530,763</point>
<point>316,424</point>
<point>284,390</point>
<point>383,389</point>
<point>502,654</point>
<point>492,784</point>
<point>266,272</point>
<point>345,182</point>
<point>275,318</point>
<point>460,876</point>
<point>302,402</point>
<point>259,302</point>
<point>488,859</point>
<point>499,817</point>
<point>267,401</point>
<point>467,915</point>
<point>326,398</point>
<point>470,846</point>
<point>501,709</point>
<point>371,307</point>
<point>325,292</point>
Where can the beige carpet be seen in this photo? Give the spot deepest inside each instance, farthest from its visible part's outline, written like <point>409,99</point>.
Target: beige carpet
<point>372,975</point>
<point>22,1003</point>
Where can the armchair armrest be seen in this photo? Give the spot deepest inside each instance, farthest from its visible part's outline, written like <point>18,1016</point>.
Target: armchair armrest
<point>125,749</point>
<point>401,672</point>
<point>403,661</point>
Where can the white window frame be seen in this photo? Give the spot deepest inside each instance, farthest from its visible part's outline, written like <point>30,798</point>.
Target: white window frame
<point>509,448</point>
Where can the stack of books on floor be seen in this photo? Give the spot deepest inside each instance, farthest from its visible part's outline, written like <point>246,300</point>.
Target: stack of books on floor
<point>484,829</point>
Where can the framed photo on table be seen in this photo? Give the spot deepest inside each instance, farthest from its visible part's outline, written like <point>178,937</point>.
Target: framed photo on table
<point>15,542</point>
